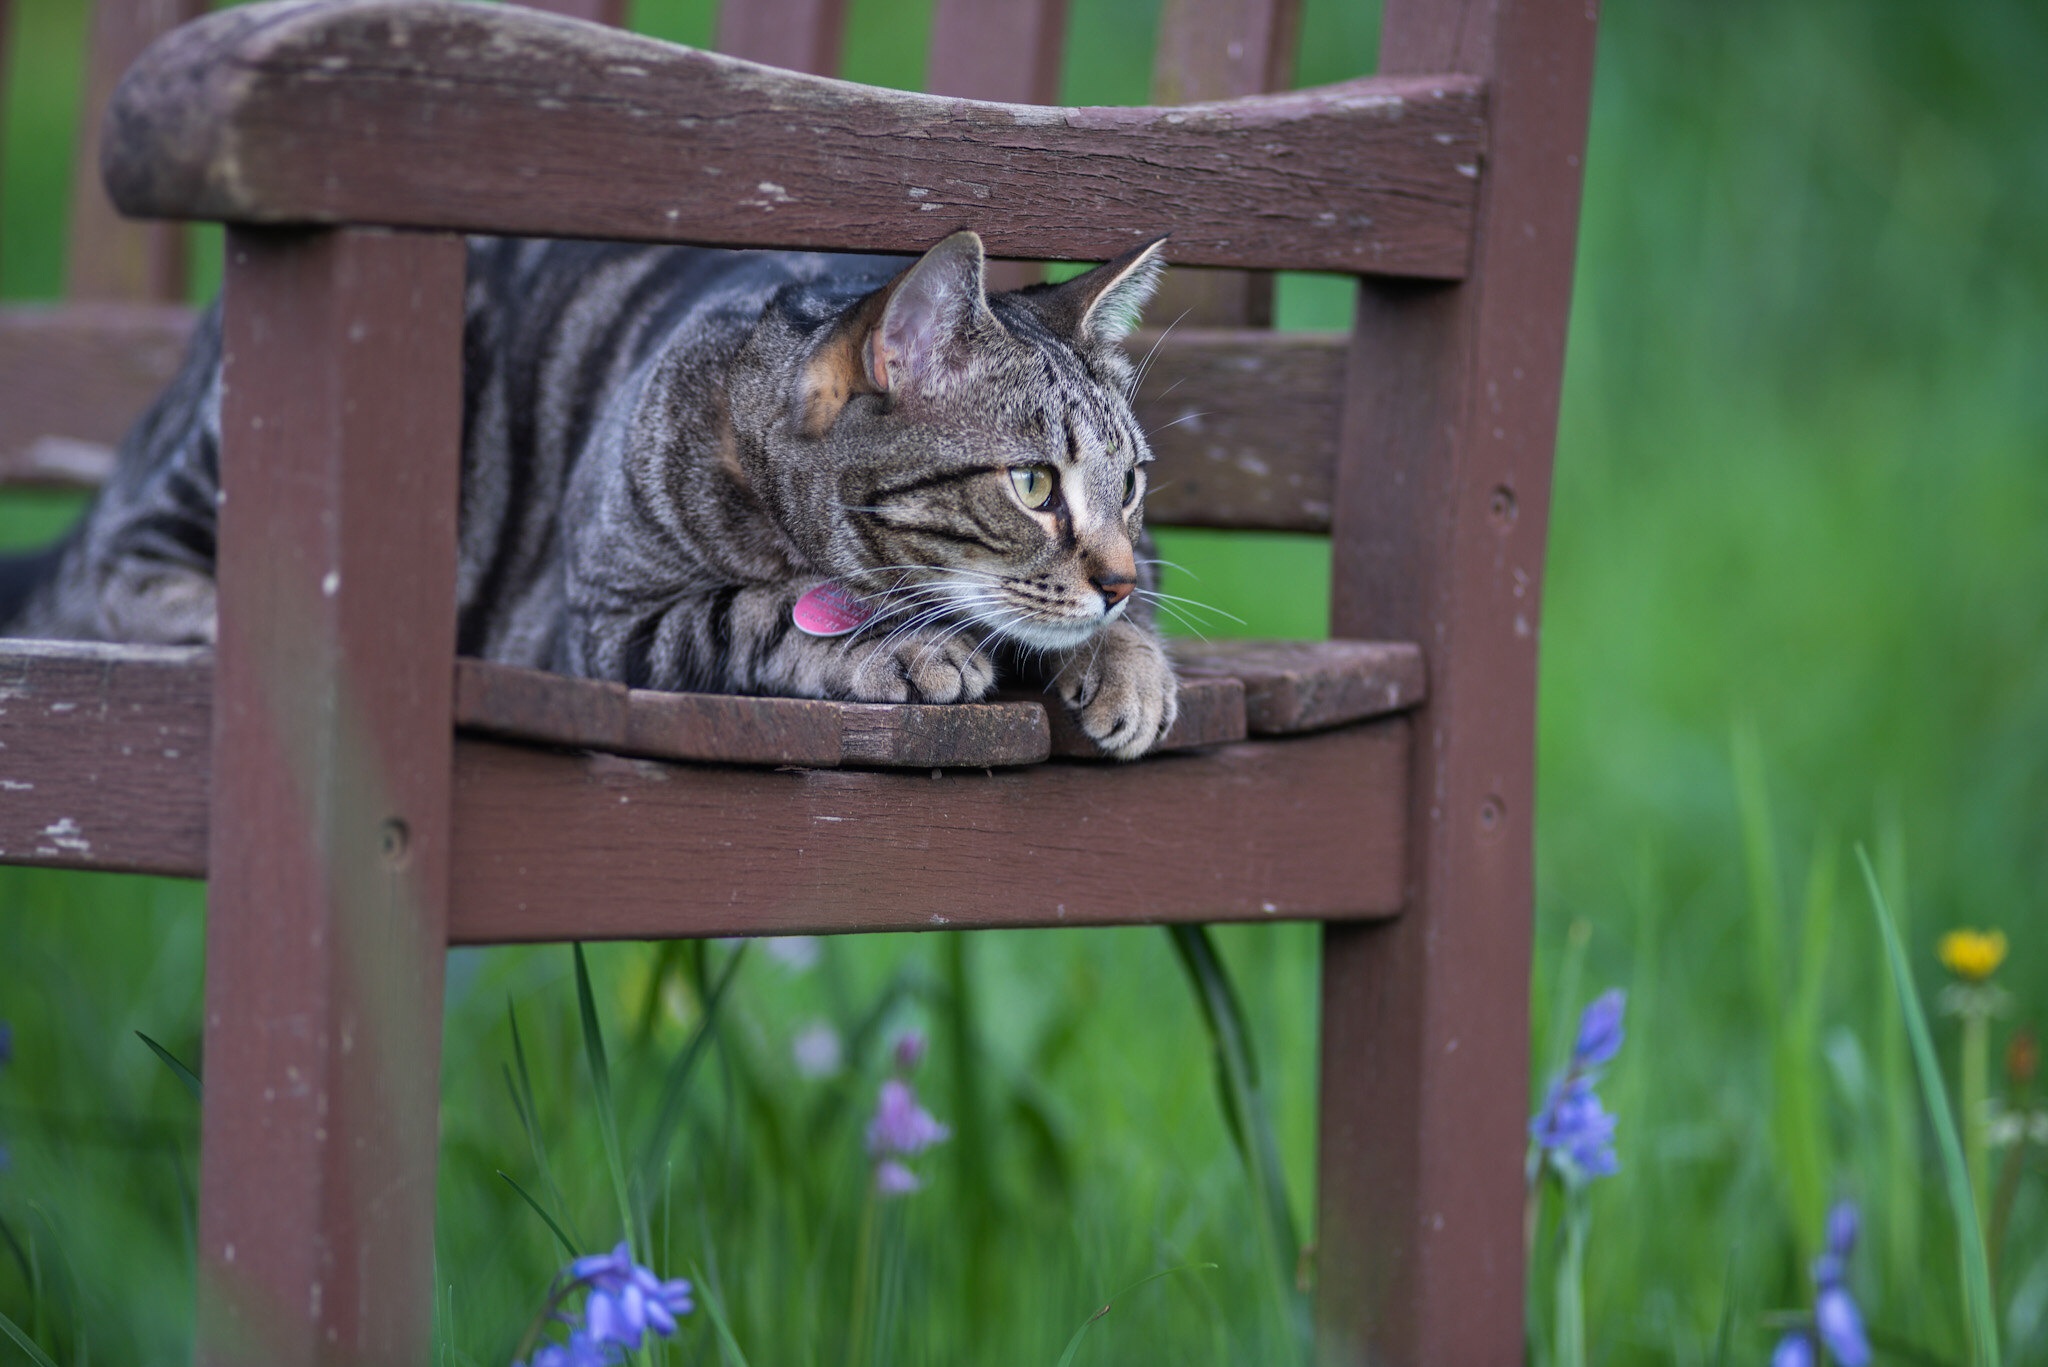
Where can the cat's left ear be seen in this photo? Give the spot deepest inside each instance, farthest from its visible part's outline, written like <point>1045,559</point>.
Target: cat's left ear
<point>1101,307</point>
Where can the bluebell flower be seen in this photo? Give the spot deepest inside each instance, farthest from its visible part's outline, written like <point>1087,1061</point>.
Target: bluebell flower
<point>1793,1350</point>
<point>626,1303</point>
<point>900,1128</point>
<point>1600,1033</point>
<point>1571,1130</point>
<point>1835,1316</point>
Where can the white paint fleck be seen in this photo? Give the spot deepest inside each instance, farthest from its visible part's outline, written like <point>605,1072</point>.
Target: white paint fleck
<point>939,920</point>
<point>227,1253</point>
<point>1469,170</point>
<point>63,707</point>
<point>918,192</point>
<point>66,834</point>
<point>1269,907</point>
<point>9,785</point>
<point>330,584</point>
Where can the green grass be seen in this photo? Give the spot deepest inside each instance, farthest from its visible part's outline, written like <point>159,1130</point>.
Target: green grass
<point>1800,500</point>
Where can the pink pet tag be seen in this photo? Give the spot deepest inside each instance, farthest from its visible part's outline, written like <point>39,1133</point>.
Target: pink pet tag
<point>830,609</point>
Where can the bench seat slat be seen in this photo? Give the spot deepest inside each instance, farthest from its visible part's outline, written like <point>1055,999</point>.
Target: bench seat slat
<point>435,114</point>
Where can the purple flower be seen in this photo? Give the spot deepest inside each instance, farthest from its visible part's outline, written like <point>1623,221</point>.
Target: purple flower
<point>894,1179</point>
<point>1571,1130</point>
<point>6,1042</point>
<point>626,1302</point>
<point>910,1050</point>
<point>1841,1326</point>
<point>901,1125</point>
<point>1600,1032</point>
<point>1793,1350</point>
<point>1575,1130</point>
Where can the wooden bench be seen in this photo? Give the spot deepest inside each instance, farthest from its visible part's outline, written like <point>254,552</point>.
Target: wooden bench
<point>359,799</point>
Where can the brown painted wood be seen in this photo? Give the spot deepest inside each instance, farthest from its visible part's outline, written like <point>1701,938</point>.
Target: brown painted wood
<point>103,756</point>
<point>1211,713</point>
<point>295,112</point>
<point>1221,50</point>
<point>1294,686</point>
<point>796,35</point>
<point>1006,50</point>
<point>1243,425</point>
<point>609,12</point>
<point>529,704</point>
<point>1442,493</point>
<point>72,379</point>
<point>107,257</point>
<point>329,851</point>
<point>1287,828</point>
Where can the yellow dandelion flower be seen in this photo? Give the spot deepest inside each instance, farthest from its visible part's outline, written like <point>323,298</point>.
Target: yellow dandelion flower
<point>1973,955</point>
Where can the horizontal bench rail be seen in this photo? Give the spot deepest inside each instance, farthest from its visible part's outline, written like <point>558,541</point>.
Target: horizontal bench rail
<point>446,115</point>
<point>1244,422</point>
<point>107,748</point>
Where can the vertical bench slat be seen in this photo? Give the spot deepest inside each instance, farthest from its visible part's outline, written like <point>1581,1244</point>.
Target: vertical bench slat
<point>1442,495</point>
<point>326,923</point>
<point>1005,50</point>
<point>110,258</point>
<point>1221,50</point>
<point>611,12</point>
<point>797,35</point>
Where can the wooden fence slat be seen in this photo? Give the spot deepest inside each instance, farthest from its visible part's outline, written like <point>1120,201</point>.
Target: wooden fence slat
<point>1254,831</point>
<point>609,12</point>
<point>106,257</point>
<point>796,35</point>
<point>1221,50</point>
<point>1442,497</point>
<point>329,851</point>
<point>406,114</point>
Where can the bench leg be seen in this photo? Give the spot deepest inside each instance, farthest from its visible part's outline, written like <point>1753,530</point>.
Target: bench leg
<point>326,913</point>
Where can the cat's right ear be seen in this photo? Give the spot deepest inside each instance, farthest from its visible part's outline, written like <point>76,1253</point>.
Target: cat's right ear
<point>930,311</point>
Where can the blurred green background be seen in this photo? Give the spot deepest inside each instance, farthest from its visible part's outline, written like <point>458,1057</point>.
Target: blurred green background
<point>1797,600</point>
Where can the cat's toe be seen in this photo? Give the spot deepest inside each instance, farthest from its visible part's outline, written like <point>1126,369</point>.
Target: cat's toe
<point>925,669</point>
<point>1134,706</point>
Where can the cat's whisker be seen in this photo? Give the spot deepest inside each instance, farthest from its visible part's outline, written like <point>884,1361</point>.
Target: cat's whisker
<point>1185,417</point>
<point>1155,596</point>
<point>1145,366</point>
<point>1169,564</point>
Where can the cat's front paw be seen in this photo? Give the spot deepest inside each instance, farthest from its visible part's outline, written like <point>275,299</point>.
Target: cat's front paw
<point>1122,690</point>
<point>920,666</point>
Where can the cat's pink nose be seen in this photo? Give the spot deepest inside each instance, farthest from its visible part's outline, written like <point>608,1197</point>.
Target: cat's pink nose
<point>1114,588</point>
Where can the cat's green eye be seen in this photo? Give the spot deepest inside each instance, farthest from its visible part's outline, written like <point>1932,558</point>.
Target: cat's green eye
<point>1130,486</point>
<point>1033,484</point>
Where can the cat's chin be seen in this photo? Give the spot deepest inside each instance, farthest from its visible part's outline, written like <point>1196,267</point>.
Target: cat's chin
<point>1059,635</point>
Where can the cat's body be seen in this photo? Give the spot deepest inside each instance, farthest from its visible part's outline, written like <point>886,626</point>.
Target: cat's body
<point>665,449</point>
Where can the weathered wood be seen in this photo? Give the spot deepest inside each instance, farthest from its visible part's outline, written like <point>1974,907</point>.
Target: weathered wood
<point>1271,829</point>
<point>609,12</point>
<point>1006,50</point>
<point>489,118</point>
<point>329,846</point>
<point>1293,686</point>
<point>534,705</point>
<point>1244,425</point>
<point>107,258</point>
<point>1221,50</point>
<point>103,756</point>
<point>1441,499</point>
<point>796,35</point>
<point>1211,713</point>
<point>528,704</point>
<point>955,735</point>
<point>72,379</point>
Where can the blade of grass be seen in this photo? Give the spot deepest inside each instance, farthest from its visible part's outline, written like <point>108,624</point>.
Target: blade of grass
<point>174,1063</point>
<point>528,1110</point>
<point>669,1111</point>
<point>1901,1240</point>
<point>728,1346</point>
<point>601,1084</point>
<point>27,1344</point>
<point>1074,1343</point>
<point>1981,1315</point>
<point>568,1244</point>
<point>1245,1108</point>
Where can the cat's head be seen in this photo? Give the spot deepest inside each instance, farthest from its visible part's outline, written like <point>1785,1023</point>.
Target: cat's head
<point>988,464</point>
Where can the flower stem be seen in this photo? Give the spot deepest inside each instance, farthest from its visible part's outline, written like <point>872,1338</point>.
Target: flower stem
<point>1975,1091</point>
<point>863,1279</point>
<point>1570,1289</point>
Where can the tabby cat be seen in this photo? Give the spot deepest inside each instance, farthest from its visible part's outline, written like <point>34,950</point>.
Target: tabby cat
<point>666,450</point>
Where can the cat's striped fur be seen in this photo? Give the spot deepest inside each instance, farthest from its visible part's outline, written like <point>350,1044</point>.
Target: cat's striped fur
<point>665,448</point>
